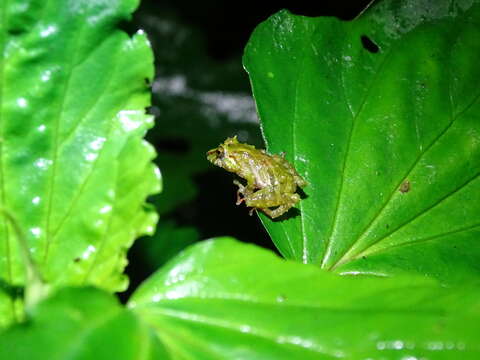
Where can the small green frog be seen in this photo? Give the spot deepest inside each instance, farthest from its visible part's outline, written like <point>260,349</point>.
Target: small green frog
<point>271,180</point>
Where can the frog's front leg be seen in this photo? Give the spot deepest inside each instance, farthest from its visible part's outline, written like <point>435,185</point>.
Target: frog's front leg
<point>242,191</point>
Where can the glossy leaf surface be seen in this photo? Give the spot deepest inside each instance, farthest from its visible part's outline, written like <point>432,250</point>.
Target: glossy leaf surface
<point>80,323</point>
<point>382,117</point>
<point>74,169</point>
<point>221,299</point>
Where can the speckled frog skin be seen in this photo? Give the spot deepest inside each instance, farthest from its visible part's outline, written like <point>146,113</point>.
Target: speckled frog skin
<point>271,180</point>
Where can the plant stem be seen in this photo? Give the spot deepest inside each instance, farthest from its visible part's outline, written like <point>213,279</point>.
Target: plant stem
<point>35,287</point>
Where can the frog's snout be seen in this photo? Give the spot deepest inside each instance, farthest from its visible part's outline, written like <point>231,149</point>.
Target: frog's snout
<point>211,155</point>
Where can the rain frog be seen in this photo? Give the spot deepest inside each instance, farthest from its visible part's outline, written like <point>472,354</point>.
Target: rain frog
<point>271,180</point>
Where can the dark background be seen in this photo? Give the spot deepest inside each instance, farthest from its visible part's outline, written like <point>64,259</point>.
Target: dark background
<point>227,25</point>
<point>198,48</point>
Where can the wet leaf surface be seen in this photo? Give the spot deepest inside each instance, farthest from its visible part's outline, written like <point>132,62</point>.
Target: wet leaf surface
<point>228,300</point>
<point>382,117</point>
<point>74,169</point>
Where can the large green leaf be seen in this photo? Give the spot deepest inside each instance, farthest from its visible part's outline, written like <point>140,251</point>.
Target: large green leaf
<point>74,169</point>
<point>222,299</point>
<point>80,323</point>
<point>382,117</point>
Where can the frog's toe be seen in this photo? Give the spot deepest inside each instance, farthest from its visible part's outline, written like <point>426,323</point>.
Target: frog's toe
<point>239,200</point>
<point>295,198</point>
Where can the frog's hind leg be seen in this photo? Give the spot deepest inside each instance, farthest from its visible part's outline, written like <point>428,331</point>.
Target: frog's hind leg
<point>274,213</point>
<point>264,201</point>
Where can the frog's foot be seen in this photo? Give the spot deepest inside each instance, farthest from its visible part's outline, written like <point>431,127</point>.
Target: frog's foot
<point>239,198</point>
<point>251,211</point>
<point>282,209</point>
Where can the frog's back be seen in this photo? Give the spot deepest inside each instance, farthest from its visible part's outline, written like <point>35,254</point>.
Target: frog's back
<point>296,178</point>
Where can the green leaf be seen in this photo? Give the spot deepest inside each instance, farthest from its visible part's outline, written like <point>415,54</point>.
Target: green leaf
<point>224,299</point>
<point>74,169</point>
<point>381,115</point>
<point>81,323</point>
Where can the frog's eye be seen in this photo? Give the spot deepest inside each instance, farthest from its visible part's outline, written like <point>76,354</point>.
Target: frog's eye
<point>218,153</point>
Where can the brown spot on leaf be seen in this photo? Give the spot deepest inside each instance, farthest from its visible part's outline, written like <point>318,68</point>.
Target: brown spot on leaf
<point>405,187</point>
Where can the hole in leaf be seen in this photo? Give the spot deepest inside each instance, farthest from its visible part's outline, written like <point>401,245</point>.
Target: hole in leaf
<point>369,45</point>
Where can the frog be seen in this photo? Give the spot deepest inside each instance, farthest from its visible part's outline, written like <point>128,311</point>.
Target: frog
<point>271,181</point>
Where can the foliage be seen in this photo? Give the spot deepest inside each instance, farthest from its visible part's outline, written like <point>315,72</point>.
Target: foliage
<point>213,301</point>
<point>80,323</point>
<point>381,115</point>
<point>73,95</point>
<point>224,299</point>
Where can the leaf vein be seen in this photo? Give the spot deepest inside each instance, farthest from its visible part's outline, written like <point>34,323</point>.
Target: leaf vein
<point>55,150</point>
<point>419,241</point>
<point>3,199</point>
<point>347,151</point>
<point>345,257</point>
<point>418,215</point>
<point>294,146</point>
<point>225,324</point>
<point>95,103</point>
<point>78,194</point>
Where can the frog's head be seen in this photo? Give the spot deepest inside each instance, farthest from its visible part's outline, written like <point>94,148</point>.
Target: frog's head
<point>222,155</point>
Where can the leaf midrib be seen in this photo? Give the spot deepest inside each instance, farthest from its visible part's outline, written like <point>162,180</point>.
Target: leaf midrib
<point>56,136</point>
<point>79,193</point>
<point>304,238</point>
<point>219,323</point>
<point>422,213</point>
<point>435,237</point>
<point>328,247</point>
<point>347,256</point>
<point>3,33</point>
